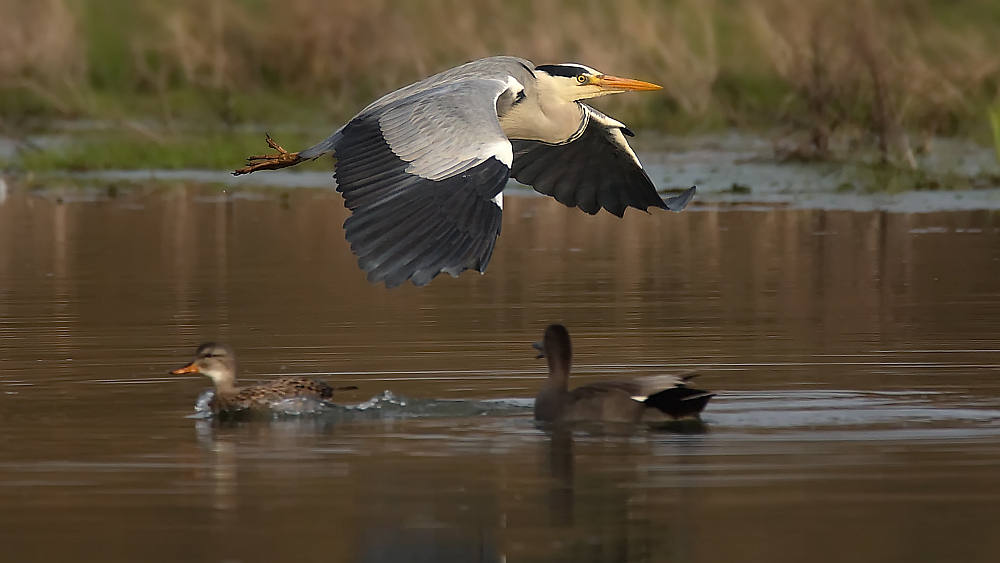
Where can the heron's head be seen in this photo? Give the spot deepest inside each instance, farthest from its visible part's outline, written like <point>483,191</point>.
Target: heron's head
<point>573,82</point>
<point>215,361</point>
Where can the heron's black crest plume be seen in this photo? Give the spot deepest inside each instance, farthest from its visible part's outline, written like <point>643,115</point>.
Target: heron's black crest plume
<point>567,70</point>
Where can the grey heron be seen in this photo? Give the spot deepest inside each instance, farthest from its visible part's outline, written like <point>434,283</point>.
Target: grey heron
<point>422,168</point>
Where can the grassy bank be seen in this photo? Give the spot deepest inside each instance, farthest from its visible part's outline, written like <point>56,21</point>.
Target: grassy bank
<point>880,73</point>
<point>130,148</point>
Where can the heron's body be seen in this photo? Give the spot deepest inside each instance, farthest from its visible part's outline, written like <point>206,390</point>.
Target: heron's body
<point>422,169</point>
<point>218,363</point>
<point>656,398</point>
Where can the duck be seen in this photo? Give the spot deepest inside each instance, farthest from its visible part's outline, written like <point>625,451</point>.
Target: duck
<point>218,362</point>
<point>658,398</point>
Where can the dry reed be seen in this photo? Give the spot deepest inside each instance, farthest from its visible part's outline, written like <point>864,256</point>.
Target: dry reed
<point>858,68</point>
<point>41,49</point>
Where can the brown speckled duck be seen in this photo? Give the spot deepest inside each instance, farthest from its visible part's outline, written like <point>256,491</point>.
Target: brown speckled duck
<point>659,398</point>
<point>218,362</point>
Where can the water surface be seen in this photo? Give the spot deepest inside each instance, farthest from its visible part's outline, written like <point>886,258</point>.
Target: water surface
<point>854,355</point>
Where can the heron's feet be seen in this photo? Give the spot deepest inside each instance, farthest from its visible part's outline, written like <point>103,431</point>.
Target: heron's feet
<point>283,159</point>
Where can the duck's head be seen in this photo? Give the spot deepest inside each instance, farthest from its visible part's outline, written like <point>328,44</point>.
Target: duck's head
<point>215,361</point>
<point>557,348</point>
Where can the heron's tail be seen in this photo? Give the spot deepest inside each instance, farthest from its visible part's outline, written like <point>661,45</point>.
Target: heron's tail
<point>322,147</point>
<point>679,202</point>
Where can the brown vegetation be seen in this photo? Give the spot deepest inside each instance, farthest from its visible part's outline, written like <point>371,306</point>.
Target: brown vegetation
<point>858,68</point>
<point>40,49</point>
<point>827,70</point>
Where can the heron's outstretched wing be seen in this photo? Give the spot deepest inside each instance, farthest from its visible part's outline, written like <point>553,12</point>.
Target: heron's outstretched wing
<point>597,169</point>
<point>423,178</point>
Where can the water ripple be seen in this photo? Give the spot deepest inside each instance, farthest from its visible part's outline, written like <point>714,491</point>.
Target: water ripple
<point>868,414</point>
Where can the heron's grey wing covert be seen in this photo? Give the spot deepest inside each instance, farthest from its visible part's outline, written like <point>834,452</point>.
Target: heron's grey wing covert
<point>423,180</point>
<point>422,171</point>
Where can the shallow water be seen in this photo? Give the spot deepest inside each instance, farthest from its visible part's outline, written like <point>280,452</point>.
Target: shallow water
<point>854,355</point>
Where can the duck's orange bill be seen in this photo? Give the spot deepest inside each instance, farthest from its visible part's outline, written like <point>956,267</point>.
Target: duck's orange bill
<point>618,84</point>
<point>186,369</point>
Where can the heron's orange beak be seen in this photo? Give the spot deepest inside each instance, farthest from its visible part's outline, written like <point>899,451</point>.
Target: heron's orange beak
<point>190,368</point>
<point>616,84</point>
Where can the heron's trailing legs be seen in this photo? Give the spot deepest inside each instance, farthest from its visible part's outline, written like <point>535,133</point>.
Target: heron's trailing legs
<point>283,159</point>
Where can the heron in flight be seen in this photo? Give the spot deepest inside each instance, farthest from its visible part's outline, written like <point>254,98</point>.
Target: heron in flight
<point>422,169</point>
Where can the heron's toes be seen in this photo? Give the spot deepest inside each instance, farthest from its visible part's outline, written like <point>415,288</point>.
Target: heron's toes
<point>258,157</point>
<point>283,159</point>
<point>273,145</point>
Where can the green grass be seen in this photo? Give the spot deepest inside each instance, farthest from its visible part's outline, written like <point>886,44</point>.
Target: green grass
<point>876,178</point>
<point>179,59</point>
<point>994,116</point>
<point>130,150</point>
<point>222,64</point>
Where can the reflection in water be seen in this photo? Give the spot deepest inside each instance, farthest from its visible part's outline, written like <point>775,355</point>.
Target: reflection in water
<point>606,513</point>
<point>585,504</point>
<point>384,507</point>
<point>560,463</point>
<point>223,464</point>
<point>178,231</point>
<point>454,519</point>
<point>854,354</point>
<point>274,270</point>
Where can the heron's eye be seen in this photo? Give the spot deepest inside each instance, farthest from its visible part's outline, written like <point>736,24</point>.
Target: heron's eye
<point>582,78</point>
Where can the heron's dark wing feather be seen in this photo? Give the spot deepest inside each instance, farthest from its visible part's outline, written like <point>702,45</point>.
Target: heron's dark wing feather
<point>597,169</point>
<point>408,226</point>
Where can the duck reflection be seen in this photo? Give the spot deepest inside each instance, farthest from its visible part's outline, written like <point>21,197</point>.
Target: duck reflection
<point>411,492</point>
<point>429,509</point>
<point>223,474</point>
<point>560,465</point>
<point>382,496</point>
<point>605,502</point>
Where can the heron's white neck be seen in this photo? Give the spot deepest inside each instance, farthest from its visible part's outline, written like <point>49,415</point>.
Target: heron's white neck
<point>544,115</point>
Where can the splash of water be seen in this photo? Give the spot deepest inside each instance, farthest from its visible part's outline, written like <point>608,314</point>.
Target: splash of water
<point>386,404</point>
